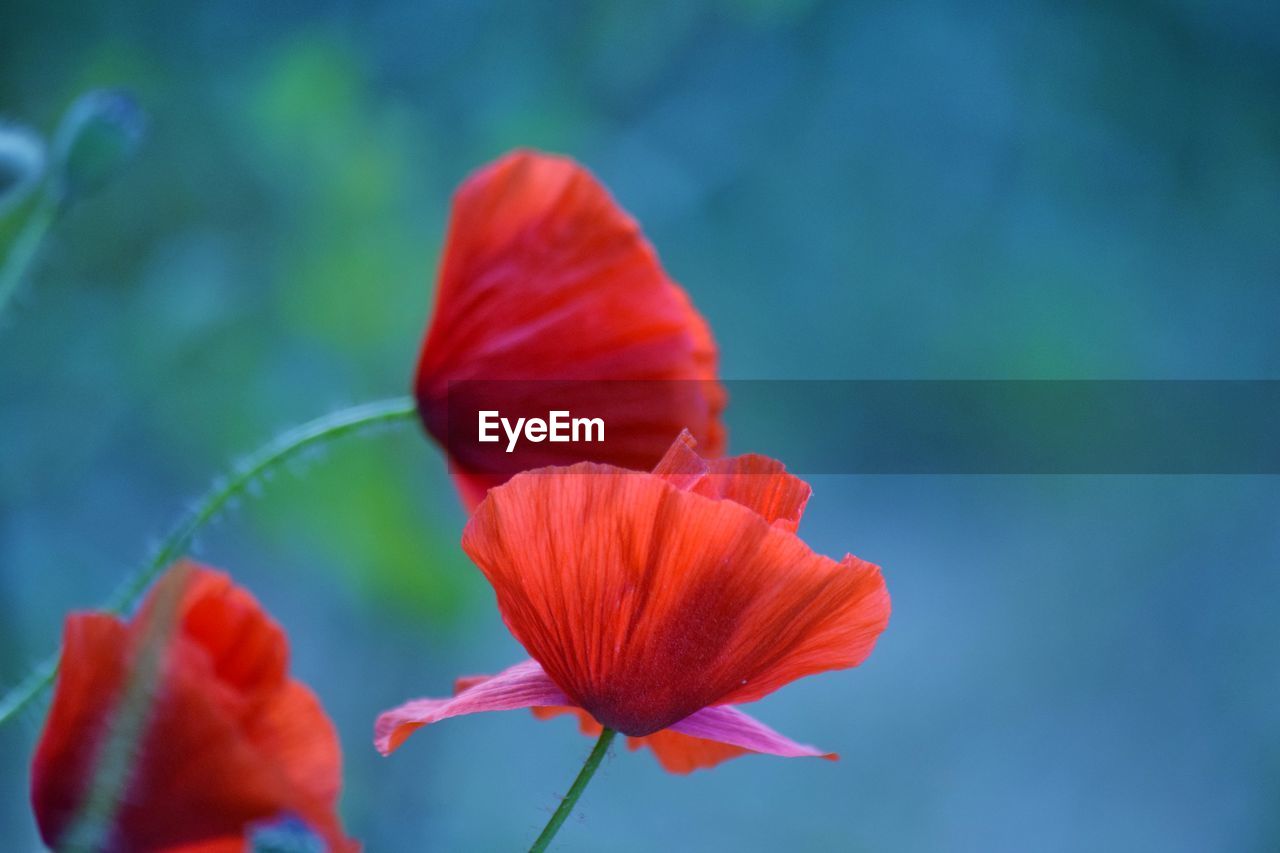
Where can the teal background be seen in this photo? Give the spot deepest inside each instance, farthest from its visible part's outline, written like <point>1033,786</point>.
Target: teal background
<point>863,190</point>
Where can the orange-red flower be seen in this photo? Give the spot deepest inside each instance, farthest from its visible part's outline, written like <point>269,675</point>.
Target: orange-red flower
<point>655,603</point>
<point>230,740</point>
<point>545,279</point>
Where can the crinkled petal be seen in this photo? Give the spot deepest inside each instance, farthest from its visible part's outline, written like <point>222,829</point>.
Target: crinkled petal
<point>524,685</point>
<point>757,482</point>
<point>646,603</point>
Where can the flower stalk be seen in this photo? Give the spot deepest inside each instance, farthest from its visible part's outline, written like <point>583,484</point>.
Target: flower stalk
<point>288,445</point>
<point>575,792</point>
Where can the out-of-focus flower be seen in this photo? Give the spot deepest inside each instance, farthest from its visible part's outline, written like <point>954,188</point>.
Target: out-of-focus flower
<point>98,135</point>
<point>655,603</point>
<point>22,163</point>
<point>230,740</point>
<point>545,277</point>
<point>285,835</point>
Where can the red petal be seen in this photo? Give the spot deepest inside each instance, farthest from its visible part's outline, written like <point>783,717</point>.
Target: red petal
<point>680,753</point>
<point>524,685</point>
<point>586,723</point>
<point>546,277</point>
<point>222,845</point>
<point>247,647</point>
<point>229,739</point>
<point>721,733</point>
<point>676,752</point>
<point>471,486</point>
<point>646,603</point>
<point>295,733</point>
<point>757,482</point>
<point>89,679</point>
<point>681,466</point>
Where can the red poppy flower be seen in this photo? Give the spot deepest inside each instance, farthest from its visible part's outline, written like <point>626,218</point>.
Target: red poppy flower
<point>230,741</point>
<point>655,603</point>
<point>550,288</point>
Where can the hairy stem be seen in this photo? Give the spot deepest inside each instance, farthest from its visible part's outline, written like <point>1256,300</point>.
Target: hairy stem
<point>90,830</point>
<point>281,449</point>
<point>579,785</point>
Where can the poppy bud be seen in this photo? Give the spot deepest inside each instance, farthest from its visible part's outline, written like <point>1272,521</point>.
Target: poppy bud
<point>98,134</point>
<point>22,162</point>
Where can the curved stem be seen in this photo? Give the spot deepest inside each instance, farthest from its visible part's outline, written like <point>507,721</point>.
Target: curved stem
<point>279,450</point>
<point>579,785</point>
<point>26,247</point>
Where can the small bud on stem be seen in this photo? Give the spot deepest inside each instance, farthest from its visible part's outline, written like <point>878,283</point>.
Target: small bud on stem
<point>22,164</point>
<point>99,134</point>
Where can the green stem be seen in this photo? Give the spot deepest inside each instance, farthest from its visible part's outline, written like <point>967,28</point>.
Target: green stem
<point>90,830</point>
<point>281,449</point>
<point>25,248</point>
<point>579,785</point>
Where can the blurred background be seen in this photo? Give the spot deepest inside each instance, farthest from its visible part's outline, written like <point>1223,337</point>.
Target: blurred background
<point>858,190</point>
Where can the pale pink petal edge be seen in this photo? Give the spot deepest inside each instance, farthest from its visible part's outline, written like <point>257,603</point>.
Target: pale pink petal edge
<point>524,685</point>
<point>726,724</point>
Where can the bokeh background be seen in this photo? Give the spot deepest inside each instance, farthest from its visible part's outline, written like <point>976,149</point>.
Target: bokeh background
<point>858,190</point>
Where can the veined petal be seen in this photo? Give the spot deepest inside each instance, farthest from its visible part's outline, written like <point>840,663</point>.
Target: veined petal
<point>682,754</point>
<point>646,603</point>
<point>524,685</point>
<point>681,466</point>
<point>757,482</point>
<point>537,246</point>
<point>676,752</point>
<point>728,725</point>
<point>545,277</point>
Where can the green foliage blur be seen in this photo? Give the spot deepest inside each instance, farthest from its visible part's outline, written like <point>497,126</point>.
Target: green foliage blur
<point>848,190</point>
